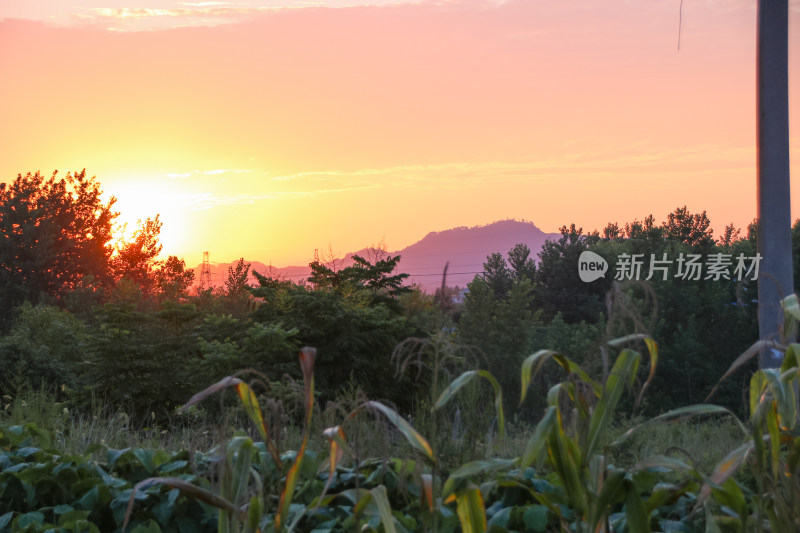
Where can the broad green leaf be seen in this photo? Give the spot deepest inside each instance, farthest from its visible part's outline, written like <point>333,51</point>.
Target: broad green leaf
<point>254,512</point>
<point>731,495</point>
<point>791,306</point>
<point>385,510</point>
<point>610,493</point>
<point>501,518</point>
<point>471,511</point>
<point>535,518</point>
<point>481,466</point>
<point>25,520</point>
<point>250,403</point>
<point>635,512</point>
<point>184,486</point>
<point>151,526</point>
<point>41,434</point>
<point>791,359</point>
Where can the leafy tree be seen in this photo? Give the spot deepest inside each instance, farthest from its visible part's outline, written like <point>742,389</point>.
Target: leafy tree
<point>522,266</point>
<point>236,284</point>
<point>693,229</point>
<point>172,278</point>
<point>53,233</point>
<point>136,257</point>
<point>377,277</point>
<point>354,329</point>
<point>558,286</point>
<point>498,276</point>
<point>500,327</point>
<point>730,235</point>
<point>612,231</point>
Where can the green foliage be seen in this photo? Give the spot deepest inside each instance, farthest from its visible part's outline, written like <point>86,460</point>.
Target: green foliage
<point>236,283</point>
<point>558,287</point>
<point>172,279</point>
<point>354,330</point>
<point>44,347</point>
<point>135,257</point>
<point>42,488</point>
<point>377,277</point>
<point>53,233</point>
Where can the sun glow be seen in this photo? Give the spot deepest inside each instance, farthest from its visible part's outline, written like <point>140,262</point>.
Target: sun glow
<point>137,201</point>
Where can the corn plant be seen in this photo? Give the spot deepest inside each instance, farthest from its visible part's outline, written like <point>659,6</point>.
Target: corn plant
<point>245,495</point>
<point>772,451</point>
<point>571,438</point>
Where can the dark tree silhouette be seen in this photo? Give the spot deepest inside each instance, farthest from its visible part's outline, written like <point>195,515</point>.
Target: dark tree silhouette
<point>53,234</point>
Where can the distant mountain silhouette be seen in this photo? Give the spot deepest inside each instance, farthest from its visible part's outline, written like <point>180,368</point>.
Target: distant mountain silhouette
<point>464,248</point>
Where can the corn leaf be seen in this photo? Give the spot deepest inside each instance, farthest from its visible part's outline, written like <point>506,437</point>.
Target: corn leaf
<point>307,357</point>
<point>412,436</point>
<point>427,490</point>
<point>652,350</point>
<point>481,467</point>
<point>198,493</point>
<point>471,511</point>
<point>748,354</point>
<point>338,443</point>
<point>384,509</point>
<point>679,414</point>
<point>539,358</point>
<point>538,440</point>
<point>635,512</point>
<point>624,368</point>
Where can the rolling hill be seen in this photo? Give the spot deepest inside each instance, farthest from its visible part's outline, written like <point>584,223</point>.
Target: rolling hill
<point>464,248</point>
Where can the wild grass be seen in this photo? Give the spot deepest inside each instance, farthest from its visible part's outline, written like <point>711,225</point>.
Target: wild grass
<point>702,443</point>
<point>463,438</point>
<point>73,431</point>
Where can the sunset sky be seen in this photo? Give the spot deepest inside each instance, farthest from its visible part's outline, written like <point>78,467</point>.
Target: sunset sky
<point>266,129</point>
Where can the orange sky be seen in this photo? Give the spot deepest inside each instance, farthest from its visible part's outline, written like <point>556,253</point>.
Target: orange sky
<point>269,129</point>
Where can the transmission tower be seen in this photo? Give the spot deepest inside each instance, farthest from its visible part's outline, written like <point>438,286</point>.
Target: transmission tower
<point>205,273</point>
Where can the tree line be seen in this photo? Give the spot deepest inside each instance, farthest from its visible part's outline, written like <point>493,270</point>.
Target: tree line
<point>95,317</point>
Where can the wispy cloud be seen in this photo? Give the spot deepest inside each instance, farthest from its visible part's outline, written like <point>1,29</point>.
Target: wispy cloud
<point>197,173</point>
<point>192,14</point>
<point>631,161</point>
<point>209,200</point>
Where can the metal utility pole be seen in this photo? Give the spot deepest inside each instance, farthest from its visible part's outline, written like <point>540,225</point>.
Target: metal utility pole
<point>774,212</point>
